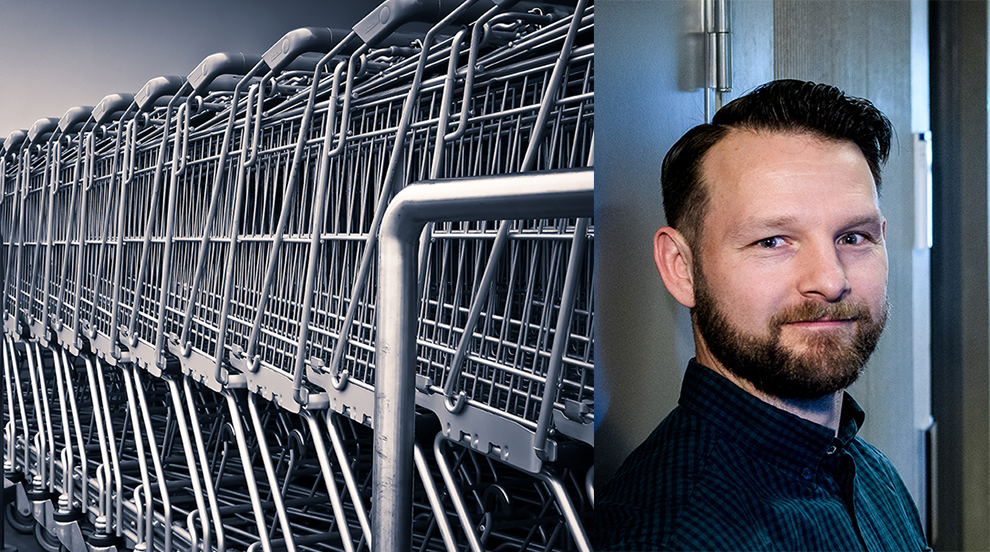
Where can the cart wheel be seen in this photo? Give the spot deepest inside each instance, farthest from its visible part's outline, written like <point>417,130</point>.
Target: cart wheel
<point>48,541</point>
<point>19,522</point>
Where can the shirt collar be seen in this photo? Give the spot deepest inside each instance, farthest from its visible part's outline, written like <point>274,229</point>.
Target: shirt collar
<point>778,437</point>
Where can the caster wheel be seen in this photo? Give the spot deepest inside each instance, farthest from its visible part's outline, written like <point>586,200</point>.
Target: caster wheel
<point>20,523</point>
<point>48,541</point>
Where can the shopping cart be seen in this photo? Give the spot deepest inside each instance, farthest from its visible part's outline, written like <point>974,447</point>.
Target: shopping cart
<point>198,348</point>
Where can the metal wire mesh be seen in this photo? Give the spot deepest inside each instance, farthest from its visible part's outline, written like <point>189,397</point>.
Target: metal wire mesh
<point>191,299</point>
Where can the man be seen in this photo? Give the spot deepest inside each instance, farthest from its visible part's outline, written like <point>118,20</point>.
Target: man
<point>776,244</point>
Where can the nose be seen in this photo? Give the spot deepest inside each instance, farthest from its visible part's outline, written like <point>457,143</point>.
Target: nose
<point>822,273</point>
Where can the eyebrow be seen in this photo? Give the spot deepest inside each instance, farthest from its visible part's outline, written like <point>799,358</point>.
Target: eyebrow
<point>747,228</point>
<point>770,224</point>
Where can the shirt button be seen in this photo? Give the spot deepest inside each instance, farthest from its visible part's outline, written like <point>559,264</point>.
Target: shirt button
<point>807,473</point>
<point>831,450</point>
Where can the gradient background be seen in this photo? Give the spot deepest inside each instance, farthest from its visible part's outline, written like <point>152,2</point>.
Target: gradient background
<point>57,54</point>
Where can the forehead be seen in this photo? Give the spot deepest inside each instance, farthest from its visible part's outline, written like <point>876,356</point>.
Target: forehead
<point>768,172</point>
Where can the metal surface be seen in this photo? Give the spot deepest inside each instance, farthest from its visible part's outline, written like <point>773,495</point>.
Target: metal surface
<point>199,349</point>
<point>559,194</point>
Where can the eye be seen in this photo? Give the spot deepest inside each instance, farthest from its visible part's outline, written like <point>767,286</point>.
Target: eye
<point>854,238</point>
<point>770,243</point>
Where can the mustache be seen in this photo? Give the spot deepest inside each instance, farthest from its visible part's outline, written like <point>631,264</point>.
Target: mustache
<point>811,311</point>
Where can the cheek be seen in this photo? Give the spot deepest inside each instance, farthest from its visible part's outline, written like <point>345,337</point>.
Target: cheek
<point>749,297</point>
<point>868,279</point>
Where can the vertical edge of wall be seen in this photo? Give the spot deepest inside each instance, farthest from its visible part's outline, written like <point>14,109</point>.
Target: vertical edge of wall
<point>960,344</point>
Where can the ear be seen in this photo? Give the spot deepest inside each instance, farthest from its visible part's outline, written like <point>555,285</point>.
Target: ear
<point>674,261</point>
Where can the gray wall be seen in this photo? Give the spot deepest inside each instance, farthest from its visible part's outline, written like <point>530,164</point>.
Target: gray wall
<point>960,299</point>
<point>643,336</point>
<point>58,54</point>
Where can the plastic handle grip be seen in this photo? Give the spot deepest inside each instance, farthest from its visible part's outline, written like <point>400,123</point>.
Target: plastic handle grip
<point>377,26</point>
<point>297,42</point>
<point>223,83</point>
<point>74,117</point>
<point>156,88</point>
<point>13,141</point>
<point>220,64</point>
<point>306,61</point>
<point>42,128</point>
<point>110,105</point>
<point>392,14</point>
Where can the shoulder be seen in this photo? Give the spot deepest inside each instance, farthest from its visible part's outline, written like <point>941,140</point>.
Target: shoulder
<point>881,486</point>
<point>875,463</point>
<point>652,500</point>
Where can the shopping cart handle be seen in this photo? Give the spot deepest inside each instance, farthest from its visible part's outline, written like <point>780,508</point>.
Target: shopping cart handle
<point>392,14</point>
<point>42,128</point>
<point>13,141</point>
<point>74,118</point>
<point>110,105</point>
<point>297,42</point>
<point>223,83</point>
<point>220,64</point>
<point>156,88</point>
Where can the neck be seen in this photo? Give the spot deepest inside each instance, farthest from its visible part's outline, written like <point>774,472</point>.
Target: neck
<point>825,411</point>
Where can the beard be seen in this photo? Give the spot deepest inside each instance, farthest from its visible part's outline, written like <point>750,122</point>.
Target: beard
<point>829,363</point>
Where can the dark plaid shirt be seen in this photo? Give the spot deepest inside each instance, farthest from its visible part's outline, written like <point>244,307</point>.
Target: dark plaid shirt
<point>726,471</point>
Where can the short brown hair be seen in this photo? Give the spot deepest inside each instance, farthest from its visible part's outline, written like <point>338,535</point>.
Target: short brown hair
<point>777,106</point>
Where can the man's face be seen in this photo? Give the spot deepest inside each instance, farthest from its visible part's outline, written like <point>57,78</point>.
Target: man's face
<point>791,277</point>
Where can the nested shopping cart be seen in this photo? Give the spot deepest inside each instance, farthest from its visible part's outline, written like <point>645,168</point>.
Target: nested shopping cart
<point>202,348</point>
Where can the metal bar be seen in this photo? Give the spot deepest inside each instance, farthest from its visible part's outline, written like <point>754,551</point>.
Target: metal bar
<point>349,480</point>
<point>24,170</point>
<point>104,434</point>
<point>37,244</point>
<point>571,281</point>
<point>180,417</point>
<point>210,491</point>
<point>118,271</point>
<point>56,165</point>
<point>331,483</point>
<point>9,365</point>
<point>157,462</point>
<point>558,194</point>
<point>252,485</point>
<point>90,331</point>
<point>323,177</point>
<point>63,273</point>
<point>67,467</point>
<point>12,352</point>
<point>144,528</point>
<point>266,460</point>
<point>434,497</point>
<point>104,407</point>
<point>454,491</point>
<point>408,106</point>
<point>76,344</point>
<point>550,92</point>
<point>40,435</point>
<point>130,336</point>
<point>570,514</point>
<point>251,361</point>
